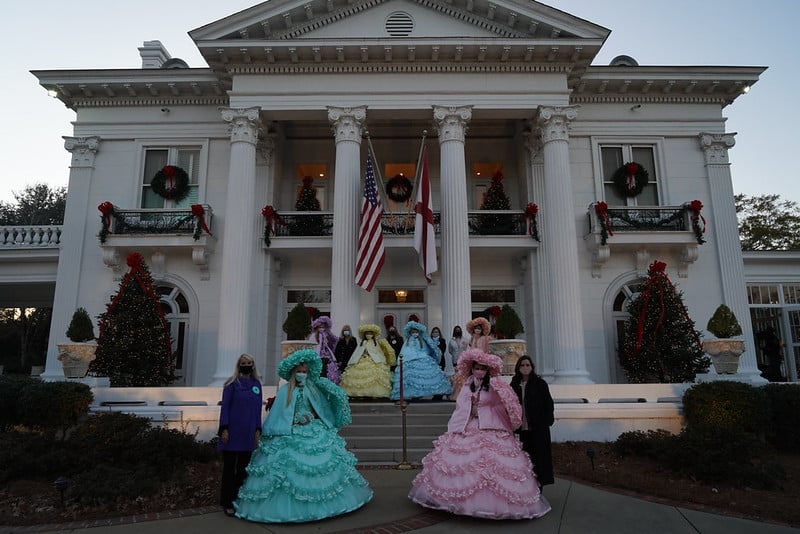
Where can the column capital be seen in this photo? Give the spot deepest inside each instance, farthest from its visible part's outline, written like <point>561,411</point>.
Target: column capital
<point>347,123</point>
<point>451,122</point>
<point>83,150</point>
<point>534,146</point>
<point>265,149</point>
<point>715,147</point>
<point>554,122</point>
<point>243,124</point>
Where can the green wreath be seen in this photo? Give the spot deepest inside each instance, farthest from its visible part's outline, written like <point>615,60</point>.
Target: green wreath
<point>630,179</point>
<point>171,183</point>
<point>399,188</point>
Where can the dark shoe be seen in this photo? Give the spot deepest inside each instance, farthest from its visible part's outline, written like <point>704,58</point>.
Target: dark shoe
<point>230,512</point>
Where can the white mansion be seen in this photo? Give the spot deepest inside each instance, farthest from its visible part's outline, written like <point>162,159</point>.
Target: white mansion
<point>297,89</point>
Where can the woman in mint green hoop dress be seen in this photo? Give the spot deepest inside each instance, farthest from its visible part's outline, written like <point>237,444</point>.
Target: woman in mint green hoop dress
<point>301,470</point>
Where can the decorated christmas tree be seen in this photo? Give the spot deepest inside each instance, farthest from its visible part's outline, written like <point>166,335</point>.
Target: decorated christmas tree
<point>661,343</point>
<point>134,347</point>
<point>307,201</point>
<point>496,199</point>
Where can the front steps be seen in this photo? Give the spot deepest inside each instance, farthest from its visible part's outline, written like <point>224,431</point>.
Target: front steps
<point>376,434</point>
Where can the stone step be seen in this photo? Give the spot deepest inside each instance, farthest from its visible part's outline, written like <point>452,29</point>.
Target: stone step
<point>434,430</point>
<point>367,457</point>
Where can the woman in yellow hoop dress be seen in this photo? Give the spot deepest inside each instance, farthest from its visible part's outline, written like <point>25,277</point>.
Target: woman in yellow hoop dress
<point>367,373</point>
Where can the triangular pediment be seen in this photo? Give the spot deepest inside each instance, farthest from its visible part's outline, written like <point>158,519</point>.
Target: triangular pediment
<point>380,19</point>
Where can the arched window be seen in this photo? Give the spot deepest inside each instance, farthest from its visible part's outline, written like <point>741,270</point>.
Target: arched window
<point>619,315</point>
<point>176,310</point>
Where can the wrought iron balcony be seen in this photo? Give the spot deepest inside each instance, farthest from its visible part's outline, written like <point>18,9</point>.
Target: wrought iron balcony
<point>157,231</point>
<point>641,229</point>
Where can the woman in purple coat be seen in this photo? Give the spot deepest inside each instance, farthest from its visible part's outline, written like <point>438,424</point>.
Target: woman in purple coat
<point>239,427</point>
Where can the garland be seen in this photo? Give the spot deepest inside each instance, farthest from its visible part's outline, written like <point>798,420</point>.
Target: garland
<point>171,183</point>
<point>601,208</point>
<point>199,212</point>
<point>533,227</point>
<point>106,212</point>
<point>273,220</point>
<point>399,188</point>
<point>630,179</point>
<point>694,208</point>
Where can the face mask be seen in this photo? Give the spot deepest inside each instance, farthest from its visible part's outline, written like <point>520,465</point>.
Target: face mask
<point>458,333</point>
<point>478,331</point>
<point>435,336</point>
<point>369,336</point>
<point>479,373</point>
<point>415,335</point>
<point>245,369</point>
<point>301,377</point>
<point>346,333</point>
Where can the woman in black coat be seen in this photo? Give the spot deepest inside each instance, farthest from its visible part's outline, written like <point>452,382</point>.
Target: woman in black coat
<point>537,418</point>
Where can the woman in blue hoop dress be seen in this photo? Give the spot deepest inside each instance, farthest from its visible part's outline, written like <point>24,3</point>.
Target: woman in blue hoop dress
<point>422,376</point>
<point>301,470</point>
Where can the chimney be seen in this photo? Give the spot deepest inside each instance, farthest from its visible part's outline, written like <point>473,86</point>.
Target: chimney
<point>153,54</point>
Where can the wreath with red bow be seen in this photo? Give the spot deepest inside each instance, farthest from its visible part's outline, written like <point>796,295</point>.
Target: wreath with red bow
<point>630,179</point>
<point>399,188</point>
<point>171,183</point>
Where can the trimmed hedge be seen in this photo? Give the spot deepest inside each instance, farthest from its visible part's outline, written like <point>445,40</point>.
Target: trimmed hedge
<point>54,406</point>
<point>732,405</point>
<point>11,388</point>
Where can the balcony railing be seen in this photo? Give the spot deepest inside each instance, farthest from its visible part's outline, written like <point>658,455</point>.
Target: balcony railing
<point>643,219</point>
<point>481,223</point>
<point>156,221</point>
<point>30,236</point>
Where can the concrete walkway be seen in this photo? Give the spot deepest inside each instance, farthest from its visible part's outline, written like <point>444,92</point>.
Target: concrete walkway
<point>577,509</point>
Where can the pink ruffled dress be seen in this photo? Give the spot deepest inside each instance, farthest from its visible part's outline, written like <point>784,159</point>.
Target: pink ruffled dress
<point>478,468</point>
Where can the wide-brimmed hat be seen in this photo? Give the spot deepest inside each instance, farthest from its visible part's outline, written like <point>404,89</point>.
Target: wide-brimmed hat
<point>364,328</point>
<point>470,356</point>
<point>479,321</point>
<point>307,356</point>
<point>322,320</point>
<point>413,325</point>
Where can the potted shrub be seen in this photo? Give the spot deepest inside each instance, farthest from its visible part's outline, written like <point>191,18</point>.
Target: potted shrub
<point>506,327</point>
<point>75,357</point>
<point>726,349</point>
<point>297,327</point>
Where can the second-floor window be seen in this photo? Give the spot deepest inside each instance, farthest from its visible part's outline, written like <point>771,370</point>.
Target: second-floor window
<point>187,158</point>
<point>615,156</point>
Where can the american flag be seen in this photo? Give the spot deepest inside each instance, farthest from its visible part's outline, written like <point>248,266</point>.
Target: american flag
<point>424,238</point>
<point>370,236</point>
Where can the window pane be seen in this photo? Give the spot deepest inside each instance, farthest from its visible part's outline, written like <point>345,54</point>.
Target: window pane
<point>150,199</point>
<point>183,305</point>
<point>154,161</point>
<point>612,196</point>
<point>791,294</point>
<point>190,199</point>
<point>391,296</point>
<point>493,296</point>
<point>188,160</point>
<point>644,156</point>
<point>293,296</point>
<point>611,160</point>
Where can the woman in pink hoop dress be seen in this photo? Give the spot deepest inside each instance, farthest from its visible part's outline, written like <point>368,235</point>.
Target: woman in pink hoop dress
<point>478,468</point>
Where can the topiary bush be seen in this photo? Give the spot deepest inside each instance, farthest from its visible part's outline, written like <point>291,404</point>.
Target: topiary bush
<point>298,323</point>
<point>508,324</point>
<point>723,324</point>
<point>80,328</point>
<point>11,388</point>
<point>731,405</point>
<point>53,407</point>
<point>784,429</point>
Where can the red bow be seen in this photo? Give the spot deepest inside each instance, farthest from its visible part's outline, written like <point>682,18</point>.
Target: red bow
<point>602,211</point>
<point>272,218</point>
<point>530,213</point>
<point>200,212</point>
<point>631,169</point>
<point>695,206</point>
<point>107,209</point>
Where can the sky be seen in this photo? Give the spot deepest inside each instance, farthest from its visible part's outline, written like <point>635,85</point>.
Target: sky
<point>52,34</point>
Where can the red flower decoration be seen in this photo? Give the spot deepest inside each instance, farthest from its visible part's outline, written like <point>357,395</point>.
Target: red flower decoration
<point>658,266</point>
<point>494,311</point>
<point>106,208</point>
<point>695,205</point>
<point>134,260</point>
<point>631,168</point>
<point>531,209</point>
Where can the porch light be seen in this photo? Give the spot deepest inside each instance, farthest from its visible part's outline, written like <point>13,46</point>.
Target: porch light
<point>401,295</point>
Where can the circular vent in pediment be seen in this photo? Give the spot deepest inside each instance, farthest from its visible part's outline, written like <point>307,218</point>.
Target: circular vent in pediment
<point>399,24</point>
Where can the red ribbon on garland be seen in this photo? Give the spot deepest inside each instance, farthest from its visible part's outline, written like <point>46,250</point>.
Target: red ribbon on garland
<point>107,209</point>
<point>272,218</point>
<point>630,170</point>
<point>169,173</point>
<point>695,206</point>
<point>602,211</point>
<point>530,213</point>
<point>200,212</point>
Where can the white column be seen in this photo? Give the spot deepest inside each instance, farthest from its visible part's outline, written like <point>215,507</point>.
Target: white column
<point>541,348</point>
<point>73,236</point>
<point>451,123</point>
<point>725,227</point>
<point>559,231</point>
<point>347,126</point>
<point>238,241</point>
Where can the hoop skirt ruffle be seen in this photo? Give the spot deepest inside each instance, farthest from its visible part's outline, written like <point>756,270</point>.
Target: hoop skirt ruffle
<point>367,378</point>
<point>479,473</point>
<point>422,377</point>
<point>304,476</point>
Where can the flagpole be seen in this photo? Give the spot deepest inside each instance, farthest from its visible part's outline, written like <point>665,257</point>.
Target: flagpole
<point>403,465</point>
<point>418,171</point>
<point>376,168</point>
